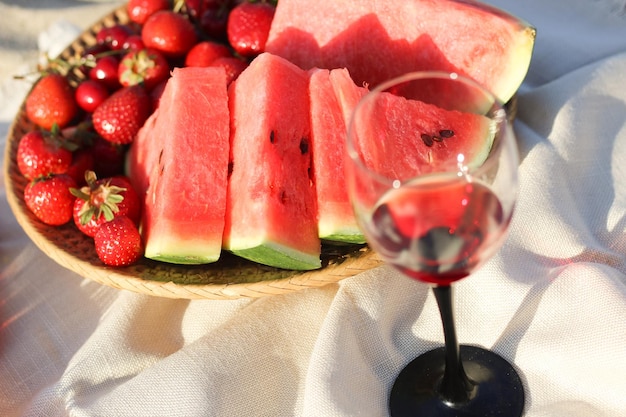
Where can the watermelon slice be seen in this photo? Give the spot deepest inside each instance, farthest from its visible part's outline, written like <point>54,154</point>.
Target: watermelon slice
<point>271,209</point>
<point>378,40</point>
<point>185,193</point>
<point>336,220</point>
<point>402,122</point>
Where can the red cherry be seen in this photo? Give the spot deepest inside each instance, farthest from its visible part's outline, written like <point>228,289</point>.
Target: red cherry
<point>90,94</point>
<point>133,43</point>
<point>113,36</point>
<point>105,70</point>
<point>214,22</point>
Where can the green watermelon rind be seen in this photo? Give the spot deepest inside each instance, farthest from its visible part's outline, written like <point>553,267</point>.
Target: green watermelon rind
<point>484,152</point>
<point>356,238</point>
<point>184,259</point>
<point>341,235</point>
<point>182,252</point>
<point>279,256</point>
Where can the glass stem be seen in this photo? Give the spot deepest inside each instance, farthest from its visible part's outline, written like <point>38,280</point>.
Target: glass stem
<point>455,387</point>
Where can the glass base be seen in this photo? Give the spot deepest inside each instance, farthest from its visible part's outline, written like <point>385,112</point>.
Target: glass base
<point>498,390</point>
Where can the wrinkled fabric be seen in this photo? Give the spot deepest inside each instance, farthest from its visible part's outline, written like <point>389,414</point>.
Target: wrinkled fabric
<point>552,301</point>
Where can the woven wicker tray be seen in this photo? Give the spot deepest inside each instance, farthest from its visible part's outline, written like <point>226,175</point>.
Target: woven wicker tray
<point>229,278</point>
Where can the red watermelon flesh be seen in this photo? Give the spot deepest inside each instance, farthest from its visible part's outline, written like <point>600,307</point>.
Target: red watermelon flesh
<point>183,162</point>
<point>271,208</point>
<point>378,40</point>
<point>140,157</point>
<point>336,220</point>
<point>401,153</point>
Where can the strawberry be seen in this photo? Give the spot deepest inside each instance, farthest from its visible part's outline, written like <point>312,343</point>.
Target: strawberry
<point>204,53</point>
<point>249,26</point>
<point>118,242</point>
<point>51,101</point>
<point>140,10</point>
<point>40,154</point>
<point>102,200</point>
<point>147,66</point>
<point>119,117</point>
<point>50,199</point>
<point>169,32</point>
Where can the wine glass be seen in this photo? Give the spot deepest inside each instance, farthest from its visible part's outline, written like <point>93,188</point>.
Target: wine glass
<point>432,174</point>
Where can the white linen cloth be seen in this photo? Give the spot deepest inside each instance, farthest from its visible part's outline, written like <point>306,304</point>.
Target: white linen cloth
<point>553,300</point>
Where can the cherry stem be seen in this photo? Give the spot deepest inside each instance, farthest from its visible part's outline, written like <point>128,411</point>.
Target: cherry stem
<point>455,387</point>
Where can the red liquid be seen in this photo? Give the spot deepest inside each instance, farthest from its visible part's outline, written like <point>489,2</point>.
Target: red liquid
<point>440,231</point>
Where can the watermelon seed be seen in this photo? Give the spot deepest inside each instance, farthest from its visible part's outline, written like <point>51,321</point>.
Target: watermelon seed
<point>427,139</point>
<point>438,138</point>
<point>446,133</point>
<point>230,169</point>
<point>304,146</point>
<point>272,138</point>
<point>283,197</point>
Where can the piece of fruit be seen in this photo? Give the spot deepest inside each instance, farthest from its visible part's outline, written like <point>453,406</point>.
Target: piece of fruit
<point>50,199</point>
<point>211,16</point>
<point>118,242</point>
<point>113,37</point>
<point>335,215</point>
<point>437,136</point>
<point>105,70</point>
<point>103,199</point>
<point>379,40</point>
<point>180,161</point>
<point>90,94</point>
<point>41,153</point>
<point>108,157</point>
<point>133,43</point>
<point>140,10</point>
<point>204,53</point>
<point>51,101</point>
<point>232,65</point>
<point>147,66</point>
<point>121,115</point>
<point>169,32</point>
<point>82,161</point>
<point>249,26</point>
<point>271,215</point>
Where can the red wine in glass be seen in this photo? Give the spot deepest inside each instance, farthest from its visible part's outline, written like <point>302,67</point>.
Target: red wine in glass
<point>439,230</point>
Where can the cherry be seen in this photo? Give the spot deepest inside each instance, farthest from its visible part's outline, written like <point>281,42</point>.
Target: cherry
<point>108,158</point>
<point>105,70</point>
<point>90,94</point>
<point>214,21</point>
<point>113,36</point>
<point>133,43</point>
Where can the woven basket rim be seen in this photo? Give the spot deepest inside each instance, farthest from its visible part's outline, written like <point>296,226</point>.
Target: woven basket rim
<point>230,278</point>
